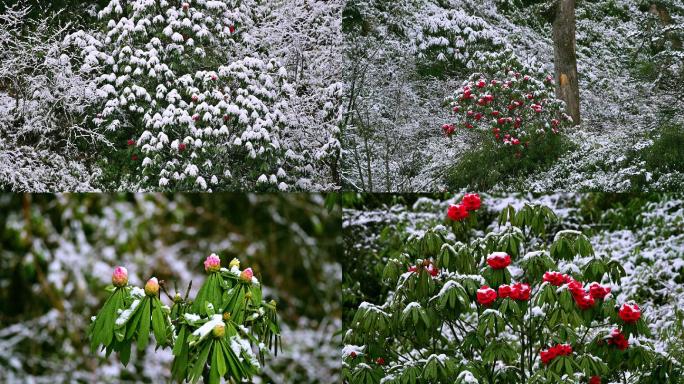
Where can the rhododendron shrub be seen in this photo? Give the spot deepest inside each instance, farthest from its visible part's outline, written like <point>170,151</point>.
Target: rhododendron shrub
<point>514,109</point>
<point>222,333</point>
<point>514,305</point>
<point>200,115</point>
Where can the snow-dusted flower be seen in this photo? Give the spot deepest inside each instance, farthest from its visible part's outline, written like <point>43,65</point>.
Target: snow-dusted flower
<point>120,277</point>
<point>152,287</point>
<point>212,263</point>
<point>247,275</point>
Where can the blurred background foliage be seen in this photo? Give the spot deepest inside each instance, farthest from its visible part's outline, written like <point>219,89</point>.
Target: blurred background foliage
<point>58,252</point>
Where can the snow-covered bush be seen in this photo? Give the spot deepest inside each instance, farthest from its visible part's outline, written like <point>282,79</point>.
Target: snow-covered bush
<point>514,304</point>
<point>199,115</point>
<point>449,41</point>
<point>515,110</point>
<point>43,98</point>
<point>212,336</point>
<point>306,37</point>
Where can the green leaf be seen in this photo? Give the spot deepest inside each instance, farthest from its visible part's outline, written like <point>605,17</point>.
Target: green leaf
<point>219,360</point>
<point>144,333</point>
<point>201,360</point>
<point>133,323</point>
<point>180,340</point>
<point>158,325</point>
<point>125,353</point>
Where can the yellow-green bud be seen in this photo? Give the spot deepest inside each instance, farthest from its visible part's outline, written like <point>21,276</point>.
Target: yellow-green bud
<point>219,331</point>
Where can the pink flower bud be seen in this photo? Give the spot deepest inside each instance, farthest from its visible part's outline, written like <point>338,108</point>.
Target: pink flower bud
<point>120,277</point>
<point>247,275</point>
<point>212,263</point>
<point>152,287</point>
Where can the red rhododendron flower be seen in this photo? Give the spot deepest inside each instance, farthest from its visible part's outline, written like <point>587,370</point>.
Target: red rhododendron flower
<point>481,83</point>
<point>232,29</point>
<point>595,380</point>
<point>448,129</point>
<point>598,291</point>
<point>618,339</point>
<point>504,291</point>
<point>380,361</point>
<point>554,278</point>
<point>520,291</point>
<point>471,201</point>
<point>413,268</point>
<point>432,270</point>
<point>584,302</point>
<point>457,212</point>
<point>134,157</point>
<point>181,147</point>
<point>576,288</point>
<point>130,142</point>
<point>555,351</point>
<point>630,313</point>
<point>499,260</point>
<point>353,354</point>
<point>486,295</point>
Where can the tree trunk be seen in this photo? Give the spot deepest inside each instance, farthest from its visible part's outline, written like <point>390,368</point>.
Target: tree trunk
<point>565,59</point>
<point>665,19</point>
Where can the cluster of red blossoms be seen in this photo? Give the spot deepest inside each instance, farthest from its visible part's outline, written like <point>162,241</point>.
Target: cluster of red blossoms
<point>427,266</point>
<point>629,313</point>
<point>584,299</point>
<point>517,291</point>
<point>459,212</point>
<point>618,339</point>
<point>499,260</point>
<point>557,350</point>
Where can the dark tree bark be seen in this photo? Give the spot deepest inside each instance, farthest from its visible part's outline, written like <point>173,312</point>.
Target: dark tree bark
<point>565,58</point>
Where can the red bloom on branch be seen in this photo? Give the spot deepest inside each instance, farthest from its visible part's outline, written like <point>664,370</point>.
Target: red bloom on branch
<point>380,361</point>
<point>232,29</point>
<point>585,302</point>
<point>576,288</point>
<point>448,129</point>
<point>413,268</point>
<point>499,260</point>
<point>554,278</point>
<point>618,339</point>
<point>471,201</point>
<point>353,354</point>
<point>130,142</point>
<point>555,351</point>
<point>630,313</point>
<point>486,295</point>
<point>520,291</point>
<point>598,291</point>
<point>181,147</point>
<point>504,291</point>
<point>457,212</point>
<point>134,157</point>
<point>595,380</point>
<point>432,270</point>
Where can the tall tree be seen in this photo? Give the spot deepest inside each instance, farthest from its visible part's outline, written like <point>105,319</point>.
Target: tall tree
<point>565,58</point>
